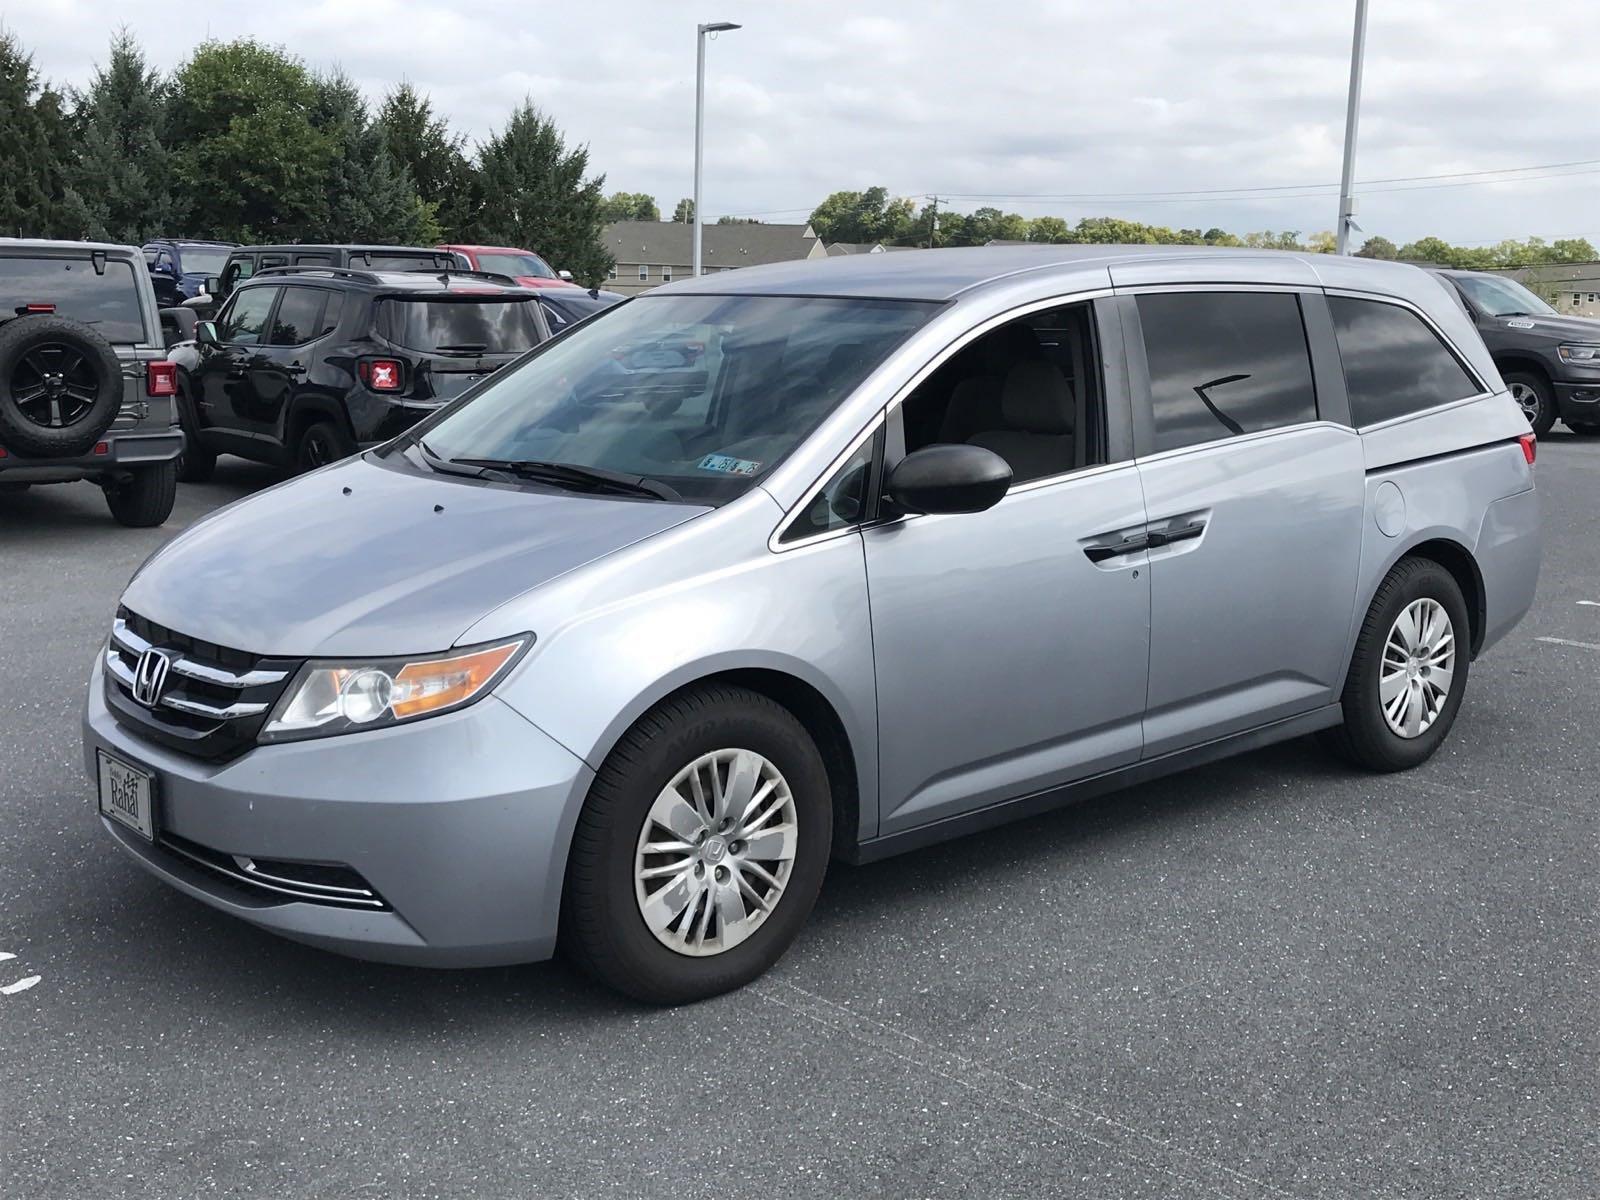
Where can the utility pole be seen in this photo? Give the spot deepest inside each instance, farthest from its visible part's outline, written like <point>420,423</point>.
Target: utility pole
<point>933,218</point>
<point>1352,114</point>
<point>714,27</point>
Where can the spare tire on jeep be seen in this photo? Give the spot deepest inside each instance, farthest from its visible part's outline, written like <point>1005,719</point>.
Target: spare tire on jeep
<point>60,386</point>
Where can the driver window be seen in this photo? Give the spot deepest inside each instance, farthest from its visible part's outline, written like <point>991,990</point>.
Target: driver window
<point>246,318</point>
<point>1028,390</point>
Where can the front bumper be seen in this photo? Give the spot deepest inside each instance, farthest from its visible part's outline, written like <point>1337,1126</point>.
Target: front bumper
<point>122,450</point>
<point>461,823</point>
<point>1578,401</point>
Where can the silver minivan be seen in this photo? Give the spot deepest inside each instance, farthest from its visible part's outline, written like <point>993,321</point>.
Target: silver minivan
<point>811,561</point>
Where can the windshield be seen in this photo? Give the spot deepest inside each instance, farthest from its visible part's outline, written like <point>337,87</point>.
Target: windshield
<point>704,393</point>
<point>203,260</point>
<point>465,326</point>
<point>515,265</point>
<point>1502,297</point>
<point>69,287</point>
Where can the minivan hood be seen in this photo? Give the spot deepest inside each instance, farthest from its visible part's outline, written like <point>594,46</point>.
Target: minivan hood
<point>369,559</point>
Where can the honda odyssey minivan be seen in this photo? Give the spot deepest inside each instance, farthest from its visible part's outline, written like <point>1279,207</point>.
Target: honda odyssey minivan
<point>811,561</point>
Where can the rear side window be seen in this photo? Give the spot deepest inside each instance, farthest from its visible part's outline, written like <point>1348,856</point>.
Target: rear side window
<point>1394,365</point>
<point>299,316</point>
<point>109,303</point>
<point>1225,363</point>
<point>465,326</point>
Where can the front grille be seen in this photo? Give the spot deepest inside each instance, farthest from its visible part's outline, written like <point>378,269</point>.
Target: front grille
<point>215,701</point>
<point>281,881</point>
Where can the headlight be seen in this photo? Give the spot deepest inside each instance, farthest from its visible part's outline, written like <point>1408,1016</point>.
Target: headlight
<point>1584,355</point>
<point>341,697</point>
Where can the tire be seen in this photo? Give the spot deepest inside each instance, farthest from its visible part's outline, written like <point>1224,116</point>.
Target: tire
<point>321,443</point>
<point>196,464</point>
<point>60,387</point>
<point>147,498</point>
<point>1367,737</point>
<point>1533,395</point>
<point>603,924</point>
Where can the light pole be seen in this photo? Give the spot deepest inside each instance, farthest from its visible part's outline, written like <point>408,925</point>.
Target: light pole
<point>1352,112</point>
<point>700,120</point>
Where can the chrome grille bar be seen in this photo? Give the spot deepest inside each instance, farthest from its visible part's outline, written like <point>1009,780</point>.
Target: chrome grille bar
<point>133,643</point>
<point>179,703</point>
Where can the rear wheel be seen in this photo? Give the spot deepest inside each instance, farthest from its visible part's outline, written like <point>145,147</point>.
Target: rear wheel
<point>196,464</point>
<point>1409,670</point>
<point>1534,397</point>
<point>701,849</point>
<point>322,442</point>
<point>147,497</point>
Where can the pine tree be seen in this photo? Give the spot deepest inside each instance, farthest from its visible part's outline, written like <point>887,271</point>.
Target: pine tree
<point>123,170</point>
<point>367,195</point>
<point>35,144</point>
<point>535,196</point>
<point>432,155</point>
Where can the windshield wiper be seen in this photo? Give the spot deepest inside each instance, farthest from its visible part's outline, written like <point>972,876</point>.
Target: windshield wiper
<point>463,348</point>
<point>575,477</point>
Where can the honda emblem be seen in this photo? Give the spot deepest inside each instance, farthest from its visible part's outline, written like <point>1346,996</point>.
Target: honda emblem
<point>150,677</point>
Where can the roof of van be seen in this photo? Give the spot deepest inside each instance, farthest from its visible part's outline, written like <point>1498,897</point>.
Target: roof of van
<point>944,274</point>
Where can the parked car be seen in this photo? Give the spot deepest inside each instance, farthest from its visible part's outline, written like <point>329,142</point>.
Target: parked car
<point>305,365</point>
<point>526,267</point>
<point>246,261</point>
<point>179,268</point>
<point>85,388</point>
<point>629,675</point>
<point>565,307</point>
<point>1549,361</point>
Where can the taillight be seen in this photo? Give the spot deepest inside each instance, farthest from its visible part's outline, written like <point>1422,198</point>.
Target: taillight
<point>382,374</point>
<point>38,308</point>
<point>2,451</point>
<point>1530,447</point>
<point>161,379</point>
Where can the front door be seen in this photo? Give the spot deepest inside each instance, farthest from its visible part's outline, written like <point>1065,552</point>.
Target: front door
<point>224,383</point>
<point>1011,646</point>
<point>1255,503</point>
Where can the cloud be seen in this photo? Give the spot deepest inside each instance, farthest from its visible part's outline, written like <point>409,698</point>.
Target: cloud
<point>1038,96</point>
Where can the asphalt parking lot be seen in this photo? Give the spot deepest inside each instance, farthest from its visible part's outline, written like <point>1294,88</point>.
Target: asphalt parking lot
<point>1272,977</point>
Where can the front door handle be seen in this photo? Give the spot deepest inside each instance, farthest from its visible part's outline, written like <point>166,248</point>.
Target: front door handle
<point>1128,545</point>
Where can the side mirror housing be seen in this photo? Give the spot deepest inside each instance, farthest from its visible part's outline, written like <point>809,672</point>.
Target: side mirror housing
<point>212,286</point>
<point>567,275</point>
<point>949,479</point>
<point>205,332</point>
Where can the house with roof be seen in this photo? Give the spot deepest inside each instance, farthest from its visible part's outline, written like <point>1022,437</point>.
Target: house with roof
<point>650,253</point>
<point>836,249</point>
<point>1572,289</point>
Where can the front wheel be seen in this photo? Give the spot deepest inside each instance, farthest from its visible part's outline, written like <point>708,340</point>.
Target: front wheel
<point>1534,398</point>
<point>701,849</point>
<point>322,443</point>
<point>1409,670</point>
<point>147,497</point>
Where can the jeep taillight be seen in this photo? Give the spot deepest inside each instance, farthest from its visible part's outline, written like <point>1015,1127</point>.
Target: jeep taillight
<point>161,379</point>
<point>382,374</point>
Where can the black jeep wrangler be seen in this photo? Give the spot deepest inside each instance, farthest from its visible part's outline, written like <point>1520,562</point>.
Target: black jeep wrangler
<point>1550,362</point>
<point>86,390</point>
<point>304,366</point>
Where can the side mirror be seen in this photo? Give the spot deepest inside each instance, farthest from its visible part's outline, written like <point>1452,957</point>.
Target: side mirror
<point>567,275</point>
<point>949,479</point>
<point>212,286</point>
<point>205,332</point>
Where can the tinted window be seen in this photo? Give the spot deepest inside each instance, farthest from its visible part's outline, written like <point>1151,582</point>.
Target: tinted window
<point>567,311</point>
<point>247,317</point>
<point>467,326</point>
<point>109,302</point>
<point>198,260</point>
<point>515,264</point>
<point>1225,363</point>
<point>706,393</point>
<point>1393,363</point>
<point>404,262</point>
<point>299,316</point>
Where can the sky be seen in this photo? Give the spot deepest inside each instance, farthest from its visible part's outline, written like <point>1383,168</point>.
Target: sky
<point>1070,108</point>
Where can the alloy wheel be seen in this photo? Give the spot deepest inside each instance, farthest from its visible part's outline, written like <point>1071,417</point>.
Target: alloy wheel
<point>1527,398</point>
<point>54,385</point>
<point>715,852</point>
<point>1419,658</point>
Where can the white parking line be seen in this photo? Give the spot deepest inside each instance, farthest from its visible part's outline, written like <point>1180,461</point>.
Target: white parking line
<point>21,985</point>
<point>1590,603</point>
<point>1569,642</point>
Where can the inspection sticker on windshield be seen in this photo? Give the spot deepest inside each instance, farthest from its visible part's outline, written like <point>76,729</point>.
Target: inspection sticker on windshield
<point>728,465</point>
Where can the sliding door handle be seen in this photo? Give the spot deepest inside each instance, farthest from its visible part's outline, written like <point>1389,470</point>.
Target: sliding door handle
<point>1174,533</point>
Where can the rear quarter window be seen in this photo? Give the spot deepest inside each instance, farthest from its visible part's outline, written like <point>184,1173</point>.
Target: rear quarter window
<point>1394,364</point>
<point>108,303</point>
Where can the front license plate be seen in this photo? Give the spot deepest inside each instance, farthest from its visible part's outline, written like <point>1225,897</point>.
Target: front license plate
<point>126,793</point>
